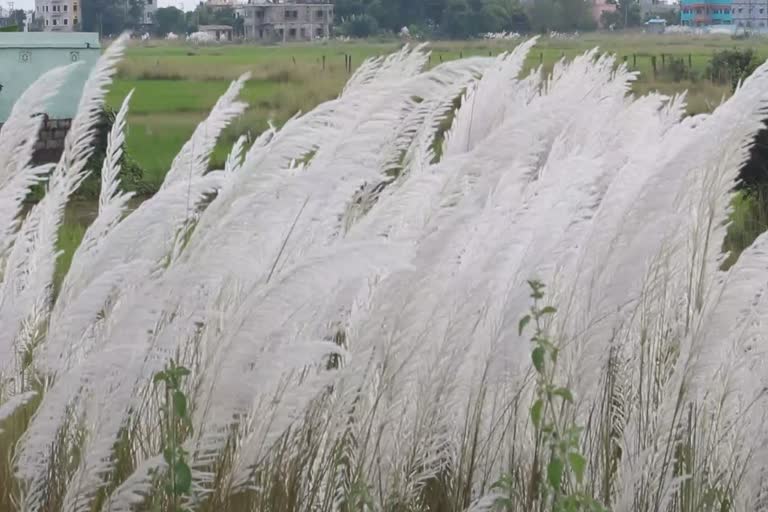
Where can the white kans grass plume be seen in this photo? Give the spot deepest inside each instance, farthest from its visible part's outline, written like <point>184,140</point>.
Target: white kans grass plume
<point>345,295</point>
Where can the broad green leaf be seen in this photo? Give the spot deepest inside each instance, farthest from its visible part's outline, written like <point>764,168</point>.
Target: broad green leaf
<point>159,377</point>
<point>555,473</point>
<point>578,464</point>
<point>537,356</point>
<point>182,477</point>
<point>523,322</point>
<point>549,310</point>
<point>565,394</point>
<point>179,404</point>
<point>536,409</point>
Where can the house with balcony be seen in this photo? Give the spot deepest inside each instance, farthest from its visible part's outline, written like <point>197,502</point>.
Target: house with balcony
<point>701,13</point>
<point>58,15</point>
<point>290,20</point>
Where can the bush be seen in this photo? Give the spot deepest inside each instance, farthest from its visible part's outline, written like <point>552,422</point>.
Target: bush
<point>732,66</point>
<point>363,25</point>
<point>131,174</point>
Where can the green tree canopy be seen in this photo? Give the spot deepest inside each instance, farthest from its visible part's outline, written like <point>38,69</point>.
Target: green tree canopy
<point>170,19</point>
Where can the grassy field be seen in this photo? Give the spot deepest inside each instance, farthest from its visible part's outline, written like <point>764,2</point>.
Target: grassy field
<point>177,84</point>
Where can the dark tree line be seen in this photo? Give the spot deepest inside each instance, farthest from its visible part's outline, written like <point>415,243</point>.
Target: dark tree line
<point>461,18</point>
<point>110,17</point>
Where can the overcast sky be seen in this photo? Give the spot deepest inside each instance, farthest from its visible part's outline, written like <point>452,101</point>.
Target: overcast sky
<point>30,4</point>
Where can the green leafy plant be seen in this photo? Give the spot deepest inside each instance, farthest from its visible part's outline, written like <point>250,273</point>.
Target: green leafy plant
<point>557,476</point>
<point>176,480</point>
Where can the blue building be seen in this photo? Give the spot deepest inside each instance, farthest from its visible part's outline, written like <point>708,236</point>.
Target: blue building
<point>699,13</point>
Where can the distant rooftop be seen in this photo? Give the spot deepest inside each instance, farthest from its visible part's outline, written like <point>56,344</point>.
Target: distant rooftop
<point>49,40</point>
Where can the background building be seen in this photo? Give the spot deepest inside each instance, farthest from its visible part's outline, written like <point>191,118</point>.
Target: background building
<point>148,14</point>
<point>655,8</point>
<point>217,32</point>
<point>699,13</point>
<point>58,15</point>
<point>290,21</point>
<point>750,13</point>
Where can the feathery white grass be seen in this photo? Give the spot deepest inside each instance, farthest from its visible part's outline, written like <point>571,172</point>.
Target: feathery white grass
<point>347,299</point>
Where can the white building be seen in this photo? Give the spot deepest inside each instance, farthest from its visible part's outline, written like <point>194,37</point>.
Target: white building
<point>150,9</point>
<point>58,15</point>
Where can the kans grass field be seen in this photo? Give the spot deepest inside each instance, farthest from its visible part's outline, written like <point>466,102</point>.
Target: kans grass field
<point>176,84</point>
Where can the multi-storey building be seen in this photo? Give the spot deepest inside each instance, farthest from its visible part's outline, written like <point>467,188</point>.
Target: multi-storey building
<point>750,13</point>
<point>698,13</point>
<point>58,15</point>
<point>148,13</point>
<point>289,20</point>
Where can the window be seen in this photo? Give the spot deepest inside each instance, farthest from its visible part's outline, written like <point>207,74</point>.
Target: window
<point>149,2</point>
<point>762,11</point>
<point>54,22</point>
<point>66,21</point>
<point>46,22</point>
<point>319,32</point>
<point>292,32</point>
<point>74,21</point>
<point>74,7</point>
<point>319,14</point>
<point>66,8</point>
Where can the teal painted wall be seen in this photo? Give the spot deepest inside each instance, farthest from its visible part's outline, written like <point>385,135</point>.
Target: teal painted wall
<point>24,56</point>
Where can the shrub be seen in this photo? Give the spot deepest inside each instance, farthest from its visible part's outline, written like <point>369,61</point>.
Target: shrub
<point>732,66</point>
<point>359,25</point>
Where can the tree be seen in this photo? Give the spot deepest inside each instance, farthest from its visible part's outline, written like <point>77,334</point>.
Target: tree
<point>135,13</point>
<point>511,15</point>
<point>107,17</point>
<point>19,17</point>
<point>468,18</point>
<point>560,15</point>
<point>628,14</point>
<point>170,19</point>
<point>360,25</point>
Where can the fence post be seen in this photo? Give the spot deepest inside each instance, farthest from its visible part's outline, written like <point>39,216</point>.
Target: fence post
<point>690,61</point>
<point>663,61</point>
<point>653,64</point>
<point>323,62</point>
<point>541,58</point>
<point>634,60</point>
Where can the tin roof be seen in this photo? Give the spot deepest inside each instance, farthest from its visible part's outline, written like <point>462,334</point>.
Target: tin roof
<point>49,40</point>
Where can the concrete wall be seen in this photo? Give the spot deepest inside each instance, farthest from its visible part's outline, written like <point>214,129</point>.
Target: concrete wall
<point>24,56</point>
